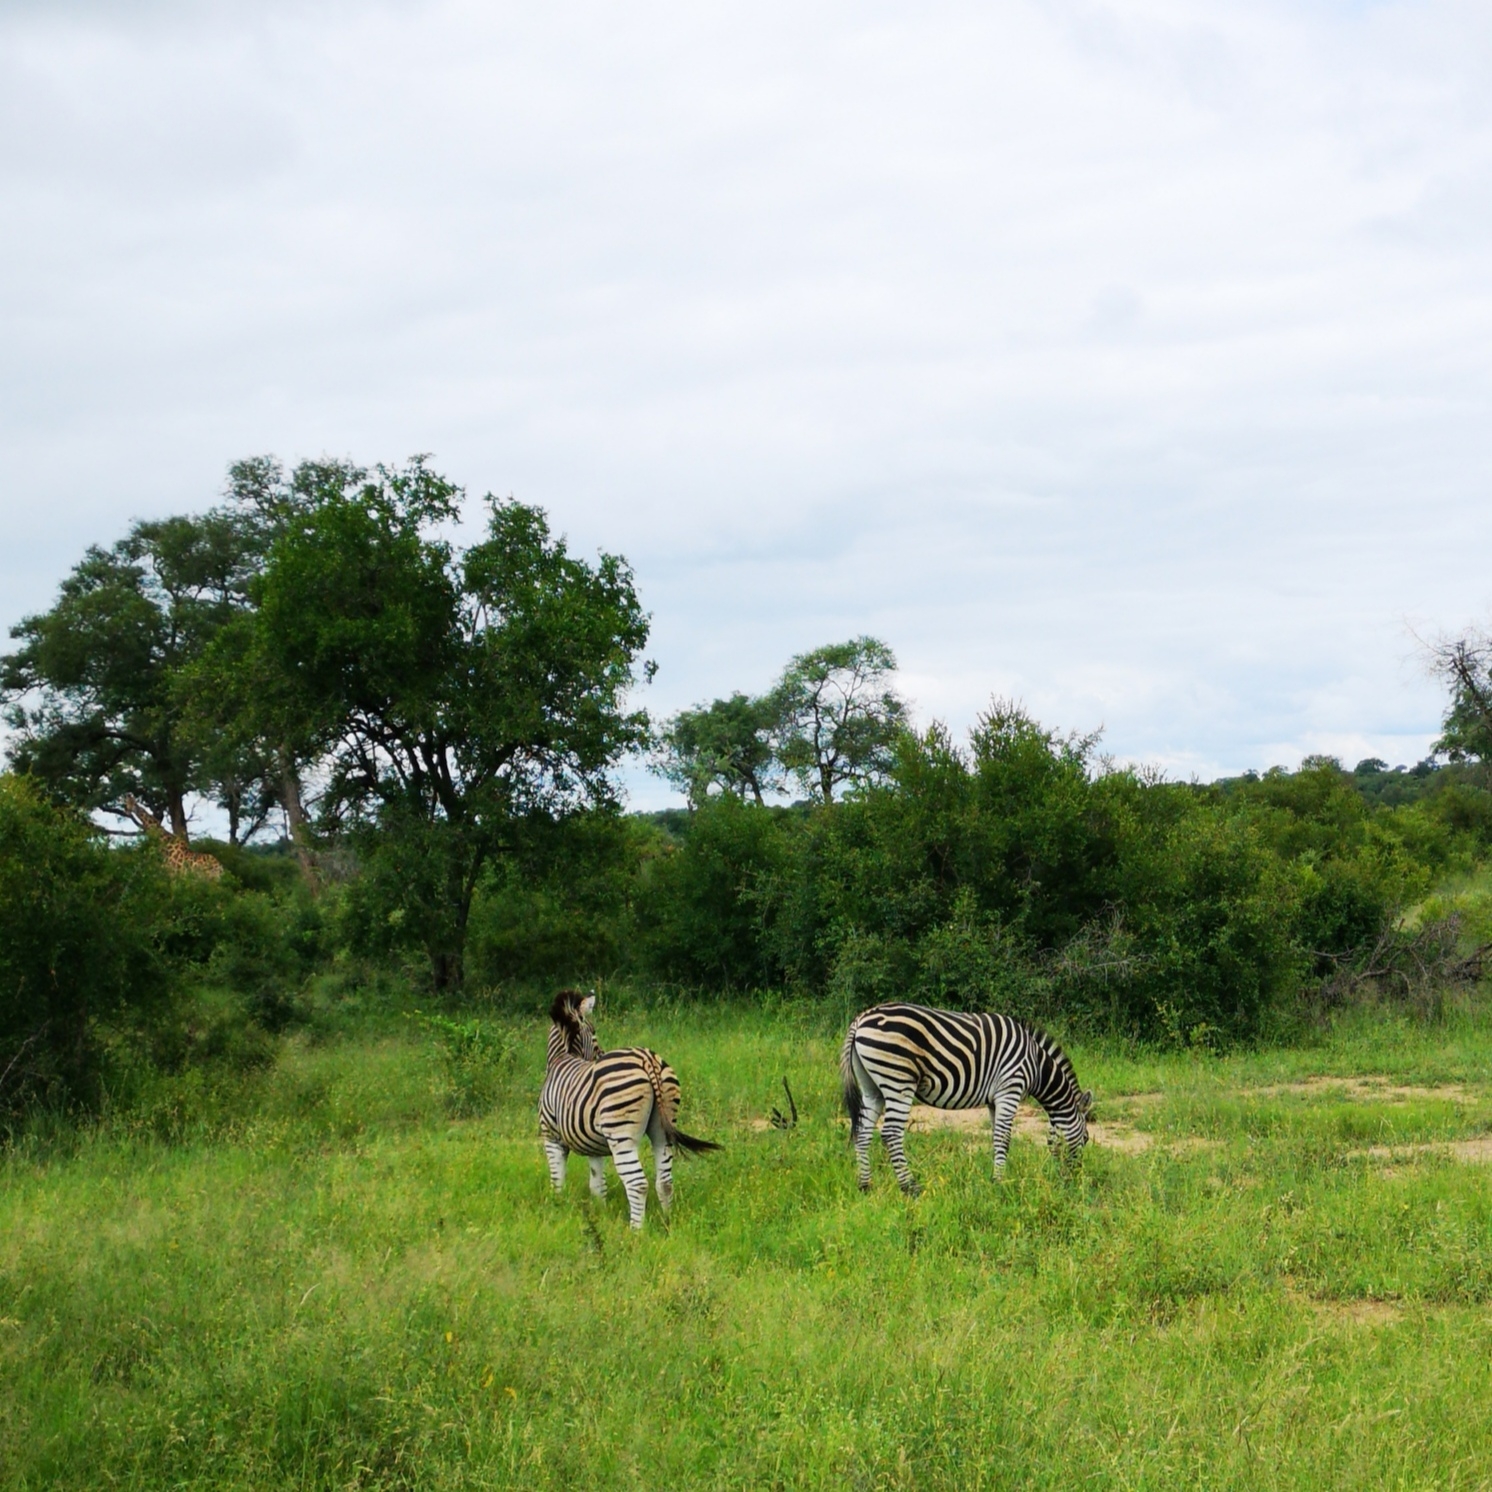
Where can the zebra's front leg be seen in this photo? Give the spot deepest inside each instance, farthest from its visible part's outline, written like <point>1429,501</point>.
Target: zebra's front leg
<point>634,1178</point>
<point>598,1175</point>
<point>893,1127</point>
<point>556,1154</point>
<point>1001,1118</point>
<point>874,1106</point>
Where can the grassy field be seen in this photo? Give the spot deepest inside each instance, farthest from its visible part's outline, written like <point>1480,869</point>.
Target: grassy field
<point>1274,1272</point>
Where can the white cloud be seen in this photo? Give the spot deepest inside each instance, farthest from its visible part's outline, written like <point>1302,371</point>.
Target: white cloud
<point>1131,359</point>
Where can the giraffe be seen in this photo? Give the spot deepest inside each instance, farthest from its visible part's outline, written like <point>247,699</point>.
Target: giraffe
<point>180,858</point>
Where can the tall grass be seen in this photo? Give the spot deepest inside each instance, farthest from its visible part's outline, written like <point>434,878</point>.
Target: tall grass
<point>321,1279</point>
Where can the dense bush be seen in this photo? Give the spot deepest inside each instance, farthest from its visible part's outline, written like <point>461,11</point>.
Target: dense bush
<point>81,940</point>
<point>1021,873</point>
<point>1017,872</point>
<point>703,917</point>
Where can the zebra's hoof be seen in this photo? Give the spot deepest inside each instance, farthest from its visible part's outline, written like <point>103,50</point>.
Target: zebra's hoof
<point>864,1185</point>
<point>913,1188</point>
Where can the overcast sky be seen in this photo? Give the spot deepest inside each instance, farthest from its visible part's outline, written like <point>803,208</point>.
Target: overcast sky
<point>1131,360</point>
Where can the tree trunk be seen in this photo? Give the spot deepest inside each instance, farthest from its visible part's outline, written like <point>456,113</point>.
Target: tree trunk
<point>176,809</point>
<point>448,970</point>
<point>295,818</point>
<point>448,964</point>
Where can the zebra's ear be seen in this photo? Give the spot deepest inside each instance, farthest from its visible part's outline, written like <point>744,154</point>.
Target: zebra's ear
<point>587,1005</point>
<point>1085,1100</point>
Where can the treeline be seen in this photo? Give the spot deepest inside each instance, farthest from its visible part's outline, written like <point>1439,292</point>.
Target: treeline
<point>1017,870</point>
<point>413,747</point>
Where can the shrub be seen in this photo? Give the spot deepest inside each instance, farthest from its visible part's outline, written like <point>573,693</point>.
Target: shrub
<point>700,904</point>
<point>79,943</point>
<point>476,1058</point>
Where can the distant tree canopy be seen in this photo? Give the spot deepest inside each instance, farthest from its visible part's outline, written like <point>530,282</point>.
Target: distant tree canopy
<point>90,690</point>
<point>838,717</point>
<point>1464,665</point>
<point>832,720</point>
<point>440,723</point>
<point>726,746</point>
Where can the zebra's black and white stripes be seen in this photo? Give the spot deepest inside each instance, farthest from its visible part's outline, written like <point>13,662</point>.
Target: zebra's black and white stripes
<point>895,1055</point>
<point>602,1103</point>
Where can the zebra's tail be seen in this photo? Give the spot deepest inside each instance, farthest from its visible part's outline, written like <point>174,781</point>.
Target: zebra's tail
<point>688,1142</point>
<point>666,1097</point>
<point>854,1100</point>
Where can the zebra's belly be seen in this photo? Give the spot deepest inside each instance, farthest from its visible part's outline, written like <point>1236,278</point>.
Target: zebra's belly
<point>571,1129</point>
<point>940,1096</point>
<point>581,1141</point>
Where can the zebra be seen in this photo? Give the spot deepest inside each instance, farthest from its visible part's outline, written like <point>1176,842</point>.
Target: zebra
<point>602,1103</point>
<point>895,1053</point>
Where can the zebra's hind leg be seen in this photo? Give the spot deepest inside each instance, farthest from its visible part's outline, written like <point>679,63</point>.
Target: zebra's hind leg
<point>556,1155</point>
<point>872,1106</point>
<point>598,1175</point>
<point>869,1117</point>
<point>634,1178</point>
<point>898,1106</point>
<point>662,1160</point>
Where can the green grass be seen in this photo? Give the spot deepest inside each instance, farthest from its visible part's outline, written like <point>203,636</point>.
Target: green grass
<point>311,1276</point>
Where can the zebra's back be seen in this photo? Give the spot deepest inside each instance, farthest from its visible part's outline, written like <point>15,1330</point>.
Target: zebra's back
<point>585,1105</point>
<point>952,1059</point>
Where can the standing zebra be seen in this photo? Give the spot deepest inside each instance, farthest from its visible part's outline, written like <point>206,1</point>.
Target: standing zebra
<point>895,1054</point>
<point>600,1103</point>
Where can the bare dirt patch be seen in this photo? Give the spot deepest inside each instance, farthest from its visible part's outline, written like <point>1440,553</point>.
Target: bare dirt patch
<point>1030,1124</point>
<point>1193,1145</point>
<point>1475,1151</point>
<point>1120,1137</point>
<point>1369,1089</point>
<point>1360,1312</point>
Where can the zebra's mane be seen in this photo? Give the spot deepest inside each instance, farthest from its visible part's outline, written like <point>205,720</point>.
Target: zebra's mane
<point>1052,1048</point>
<point>566,1008</point>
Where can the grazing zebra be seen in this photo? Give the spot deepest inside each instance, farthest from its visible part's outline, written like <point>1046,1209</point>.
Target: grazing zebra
<point>602,1103</point>
<point>895,1054</point>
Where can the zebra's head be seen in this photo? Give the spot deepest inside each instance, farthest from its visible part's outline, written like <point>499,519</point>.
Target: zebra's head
<point>571,1033</point>
<point>1055,1087</point>
<point>1069,1115</point>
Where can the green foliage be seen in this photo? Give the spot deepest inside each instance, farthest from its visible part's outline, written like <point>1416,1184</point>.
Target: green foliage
<point>699,905</point>
<point>561,911</point>
<point>1464,665</point>
<point>972,962</point>
<point>1014,874</point>
<point>725,747</point>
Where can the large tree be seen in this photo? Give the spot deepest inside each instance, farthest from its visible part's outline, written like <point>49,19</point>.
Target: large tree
<point>90,692</point>
<point>838,717</point>
<point>237,704</point>
<point>455,693</point>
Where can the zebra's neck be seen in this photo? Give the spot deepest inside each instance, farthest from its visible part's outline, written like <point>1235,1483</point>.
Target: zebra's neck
<point>1053,1083</point>
<point>559,1044</point>
<point>571,1045</point>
